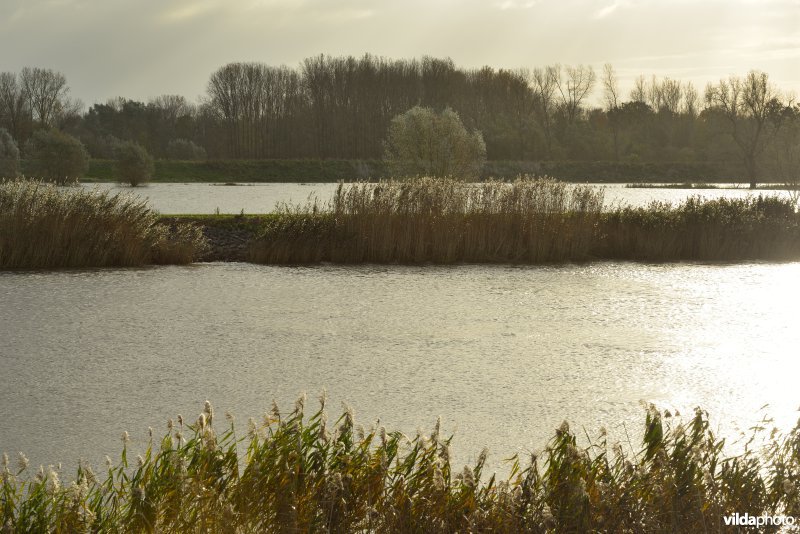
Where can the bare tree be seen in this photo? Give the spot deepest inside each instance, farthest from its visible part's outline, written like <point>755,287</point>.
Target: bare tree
<point>14,111</point>
<point>784,152</point>
<point>611,96</point>
<point>544,83</point>
<point>690,100</point>
<point>670,95</point>
<point>747,105</point>
<point>574,87</point>
<point>639,91</point>
<point>47,93</point>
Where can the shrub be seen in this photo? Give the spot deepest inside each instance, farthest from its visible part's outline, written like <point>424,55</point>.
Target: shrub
<point>56,157</point>
<point>133,164</point>
<point>421,142</point>
<point>9,155</point>
<point>185,150</point>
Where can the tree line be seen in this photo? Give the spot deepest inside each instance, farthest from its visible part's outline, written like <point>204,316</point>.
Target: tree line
<point>341,107</point>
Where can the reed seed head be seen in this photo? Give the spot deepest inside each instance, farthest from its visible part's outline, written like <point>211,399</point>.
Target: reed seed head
<point>22,462</point>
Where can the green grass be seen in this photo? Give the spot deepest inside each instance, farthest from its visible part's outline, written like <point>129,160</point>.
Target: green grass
<point>44,227</point>
<point>296,473</point>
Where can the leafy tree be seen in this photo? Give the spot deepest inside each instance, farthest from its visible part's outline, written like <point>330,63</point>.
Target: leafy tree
<point>55,156</point>
<point>184,149</point>
<point>9,155</point>
<point>425,143</point>
<point>134,165</point>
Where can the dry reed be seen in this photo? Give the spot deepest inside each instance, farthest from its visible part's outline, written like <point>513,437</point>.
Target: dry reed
<point>439,221</point>
<point>528,221</point>
<point>292,473</point>
<point>45,227</point>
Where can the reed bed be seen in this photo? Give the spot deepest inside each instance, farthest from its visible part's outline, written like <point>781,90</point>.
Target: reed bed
<point>295,473</point>
<point>439,221</point>
<point>527,221</point>
<point>45,227</point>
<point>752,228</point>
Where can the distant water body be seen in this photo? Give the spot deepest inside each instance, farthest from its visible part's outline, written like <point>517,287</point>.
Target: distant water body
<point>502,353</point>
<point>262,198</point>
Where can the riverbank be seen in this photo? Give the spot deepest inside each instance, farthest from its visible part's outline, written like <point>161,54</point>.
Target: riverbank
<point>333,171</point>
<point>293,472</point>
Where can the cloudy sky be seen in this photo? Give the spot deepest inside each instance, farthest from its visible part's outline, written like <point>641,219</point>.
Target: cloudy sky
<point>143,48</point>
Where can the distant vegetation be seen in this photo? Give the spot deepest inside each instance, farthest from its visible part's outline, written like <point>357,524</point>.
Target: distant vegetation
<point>133,164</point>
<point>56,157</point>
<point>43,227</point>
<point>341,108</point>
<point>9,156</point>
<point>422,142</point>
<point>296,473</point>
<point>527,221</point>
<point>332,171</point>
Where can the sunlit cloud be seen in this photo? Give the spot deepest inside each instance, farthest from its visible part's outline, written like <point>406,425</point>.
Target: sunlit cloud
<point>611,8</point>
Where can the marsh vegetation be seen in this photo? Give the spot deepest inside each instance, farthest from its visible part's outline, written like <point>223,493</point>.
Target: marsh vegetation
<point>44,227</point>
<point>527,221</point>
<point>295,473</point>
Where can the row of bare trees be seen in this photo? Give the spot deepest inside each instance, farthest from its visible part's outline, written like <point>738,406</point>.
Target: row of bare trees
<point>341,107</point>
<point>35,97</point>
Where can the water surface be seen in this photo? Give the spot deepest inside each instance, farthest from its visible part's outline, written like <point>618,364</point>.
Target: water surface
<point>503,354</point>
<point>262,198</point>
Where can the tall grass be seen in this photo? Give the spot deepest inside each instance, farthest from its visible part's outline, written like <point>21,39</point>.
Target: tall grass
<point>437,220</point>
<point>45,227</point>
<point>527,221</point>
<point>292,473</point>
<point>721,229</point>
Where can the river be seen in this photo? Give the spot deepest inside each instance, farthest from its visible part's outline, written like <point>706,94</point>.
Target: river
<point>503,354</point>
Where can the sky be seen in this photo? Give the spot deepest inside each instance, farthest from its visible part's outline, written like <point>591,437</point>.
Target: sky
<point>140,49</point>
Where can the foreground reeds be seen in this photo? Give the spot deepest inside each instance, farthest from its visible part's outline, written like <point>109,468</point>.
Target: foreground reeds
<point>291,473</point>
<point>45,227</point>
<point>527,221</point>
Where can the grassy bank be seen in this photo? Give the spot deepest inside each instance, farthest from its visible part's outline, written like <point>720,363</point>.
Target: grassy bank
<point>257,171</point>
<point>292,473</point>
<point>43,227</point>
<point>318,171</point>
<point>528,221</point>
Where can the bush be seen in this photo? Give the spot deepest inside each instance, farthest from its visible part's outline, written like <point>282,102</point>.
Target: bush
<point>133,164</point>
<point>422,142</point>
<point>185,150</point>
<point>56,157</point>
<point>9,155</point>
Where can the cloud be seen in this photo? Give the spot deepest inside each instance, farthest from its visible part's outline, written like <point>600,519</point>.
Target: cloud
<point>188,11</point>
<point>611,8</point>
<point>516,4</point>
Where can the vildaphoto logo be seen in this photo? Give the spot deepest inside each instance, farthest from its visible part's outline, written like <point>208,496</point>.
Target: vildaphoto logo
<point>747,520</point>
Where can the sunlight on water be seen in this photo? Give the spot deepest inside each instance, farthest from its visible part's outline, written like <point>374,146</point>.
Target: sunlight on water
<point>503,354</point>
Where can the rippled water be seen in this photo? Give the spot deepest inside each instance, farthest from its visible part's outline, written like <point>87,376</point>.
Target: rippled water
<point>261,198</point>
<point>503,354</point>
